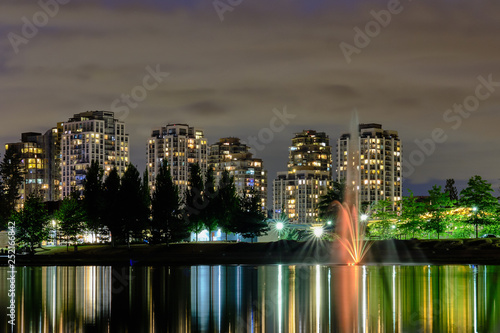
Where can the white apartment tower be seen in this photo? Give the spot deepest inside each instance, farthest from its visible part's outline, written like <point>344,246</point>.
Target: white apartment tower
<point>92,136</point>
<point>297,192</point>
<point>248,172</point>
<point>180,146</point>
<point>380,158</point>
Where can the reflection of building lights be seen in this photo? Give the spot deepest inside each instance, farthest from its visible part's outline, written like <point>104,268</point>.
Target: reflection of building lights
<point>280,226</point>
<point>318,231</point>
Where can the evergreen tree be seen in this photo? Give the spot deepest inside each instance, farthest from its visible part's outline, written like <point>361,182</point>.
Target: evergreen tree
<point>93,196</point>
<point>478,197</point>
<point>451,190</point>
<point>250,220</point>
<point>111,215</point>
<point>228,202</point>
<point>71,216</point>
<point>146,199</point>
<point>166,220</point>
<point>327,207</point>
<point>12,179</point>
<point>210,212</point>
<point>194,201</point>
<point>132,204</point>
<point>4,210</point>
<point>31,222</point>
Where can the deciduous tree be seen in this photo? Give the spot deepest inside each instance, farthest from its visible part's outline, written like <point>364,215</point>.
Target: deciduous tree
<point>71,217</point>
<point>31,222</point>
<point>439,204</point>
<point>478,197</point>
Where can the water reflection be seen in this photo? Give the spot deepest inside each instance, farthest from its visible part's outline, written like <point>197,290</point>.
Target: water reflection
<point>303,298</point>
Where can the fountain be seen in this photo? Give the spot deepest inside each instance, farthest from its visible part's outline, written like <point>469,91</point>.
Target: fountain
<point>350,231</point>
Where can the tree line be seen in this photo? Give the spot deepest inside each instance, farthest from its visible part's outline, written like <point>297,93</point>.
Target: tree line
<point>444,212</point>
<point>127,208</point>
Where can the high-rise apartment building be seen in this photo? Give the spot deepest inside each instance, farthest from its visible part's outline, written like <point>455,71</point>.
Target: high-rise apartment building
<point>297,192</point>
<point>180,146</point>
<point>248,172</point>
<point>40,164</point>
<point>92,136</point>
<point>379,158</point>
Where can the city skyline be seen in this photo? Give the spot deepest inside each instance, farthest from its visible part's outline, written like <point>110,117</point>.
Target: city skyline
<point>228,76</point>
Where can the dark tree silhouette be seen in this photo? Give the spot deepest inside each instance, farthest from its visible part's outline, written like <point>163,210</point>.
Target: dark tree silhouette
<point>93,196</point>
<point>194,203</point>
<point>132,210</point>
<point>111,215</point>
<point>228,202</point>
<point>167,223</point>
<point>11,180</point>
<point>250,220</point>
<point>451,189</point>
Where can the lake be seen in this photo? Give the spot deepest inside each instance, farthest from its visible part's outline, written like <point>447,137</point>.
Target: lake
<point>272,298</point>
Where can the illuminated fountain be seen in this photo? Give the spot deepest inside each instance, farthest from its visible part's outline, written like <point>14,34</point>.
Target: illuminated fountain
<point>351,231</point>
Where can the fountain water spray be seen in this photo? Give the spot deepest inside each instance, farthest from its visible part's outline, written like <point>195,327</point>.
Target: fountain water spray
<point>351,231</point>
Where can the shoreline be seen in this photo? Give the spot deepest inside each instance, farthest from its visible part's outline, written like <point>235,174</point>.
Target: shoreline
<point>386,252</point>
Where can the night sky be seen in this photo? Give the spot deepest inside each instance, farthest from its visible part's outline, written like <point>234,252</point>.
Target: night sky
<point>227,76</point>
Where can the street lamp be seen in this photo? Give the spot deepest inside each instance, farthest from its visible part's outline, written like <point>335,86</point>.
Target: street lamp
<point>279,226</point>
<point>318,232</point>
<point>364,217</point>
<point>329,222</point>
<point>474,209</point>
<point>54,226</point>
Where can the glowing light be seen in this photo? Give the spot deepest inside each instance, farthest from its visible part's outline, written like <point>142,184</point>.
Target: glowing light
<point>318,231</point>
<point>280,226</point>
<point>329,222</point>
<point>364,217</point>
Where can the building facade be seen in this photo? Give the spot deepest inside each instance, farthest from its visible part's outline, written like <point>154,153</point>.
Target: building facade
<point>248,172</point>
<point>92,136</point>
<point>40,165</point>
<point>297,191</point>
<point>379,157</point>
<point>180,146</point>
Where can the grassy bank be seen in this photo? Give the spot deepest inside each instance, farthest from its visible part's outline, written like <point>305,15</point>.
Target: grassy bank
<point>468,251</point>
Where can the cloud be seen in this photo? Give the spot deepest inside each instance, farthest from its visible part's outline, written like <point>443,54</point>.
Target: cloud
<point>227,77</point>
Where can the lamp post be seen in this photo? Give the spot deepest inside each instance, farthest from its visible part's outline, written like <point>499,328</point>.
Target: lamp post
<point>318,231</point>
<point>54,226</point>
<point>474,209</point>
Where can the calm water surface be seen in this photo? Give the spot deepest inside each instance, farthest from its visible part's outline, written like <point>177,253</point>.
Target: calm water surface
<point>280,298</point>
